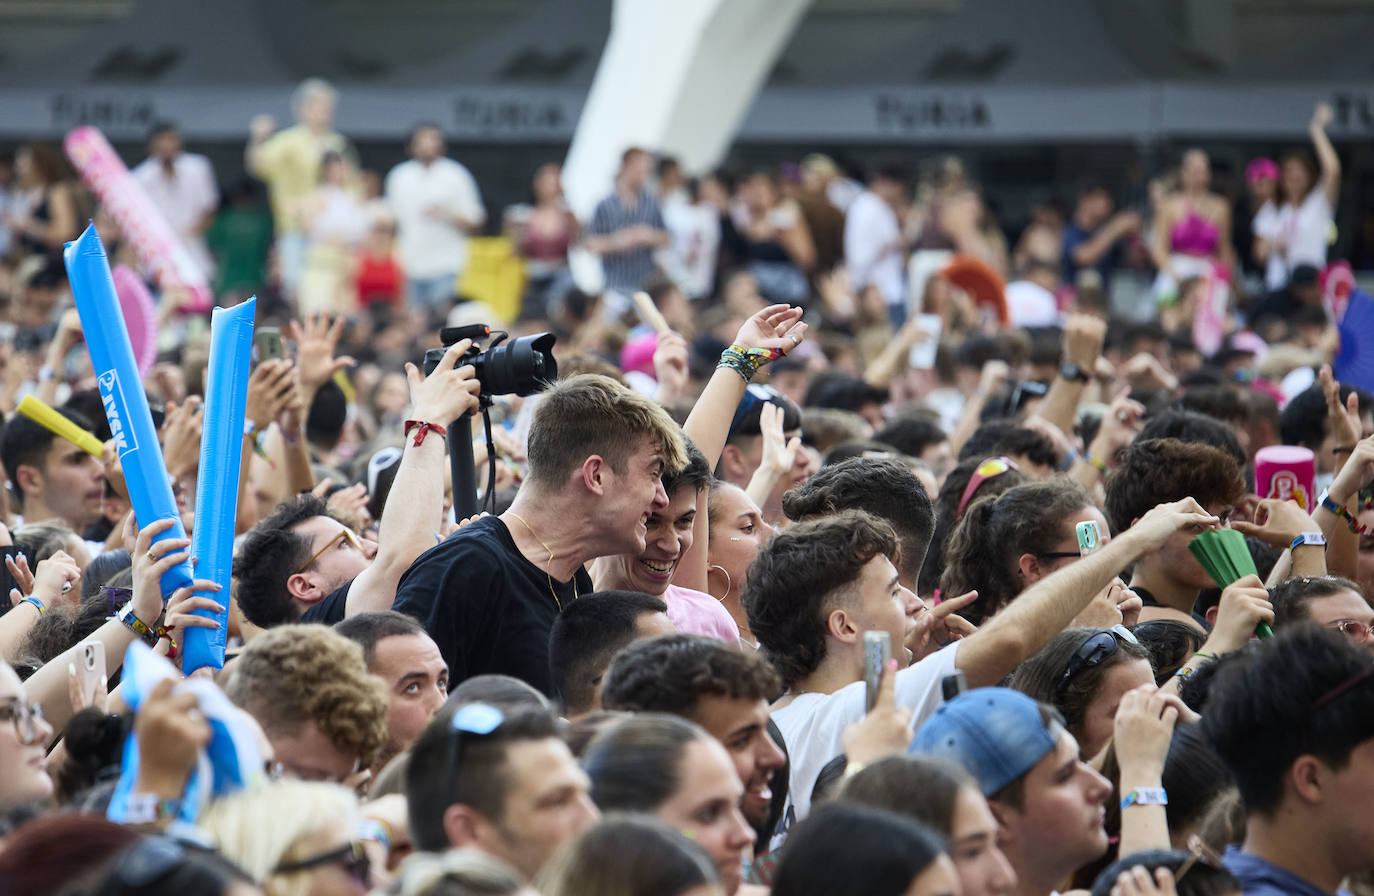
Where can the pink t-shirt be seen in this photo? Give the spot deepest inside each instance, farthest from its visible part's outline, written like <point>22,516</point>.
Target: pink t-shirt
<point>698,613</point>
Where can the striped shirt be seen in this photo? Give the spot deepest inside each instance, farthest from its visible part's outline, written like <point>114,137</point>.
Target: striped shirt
<point>627,271</point>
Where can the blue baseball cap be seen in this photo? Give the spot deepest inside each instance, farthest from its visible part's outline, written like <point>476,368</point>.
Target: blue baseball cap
<point>996,734</point>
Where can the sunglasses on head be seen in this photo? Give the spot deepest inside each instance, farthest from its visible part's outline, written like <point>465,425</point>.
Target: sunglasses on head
<point>988,469</point>
<point>1093,652</point>
<point>352,857</point>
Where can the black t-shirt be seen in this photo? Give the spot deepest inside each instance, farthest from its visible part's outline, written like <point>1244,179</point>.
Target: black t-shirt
<point>488,608</point>
<point>330,609</point>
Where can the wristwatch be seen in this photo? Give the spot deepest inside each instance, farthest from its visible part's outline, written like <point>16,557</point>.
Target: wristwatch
<point>1073,373</point>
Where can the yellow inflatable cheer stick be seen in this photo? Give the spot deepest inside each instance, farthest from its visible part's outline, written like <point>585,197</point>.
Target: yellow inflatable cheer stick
<point>54,422</point>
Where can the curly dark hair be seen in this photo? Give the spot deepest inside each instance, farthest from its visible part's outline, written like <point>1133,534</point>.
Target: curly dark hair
<point>673,672</point>
<point>883,486</point>
<point>985,549</point>
<point>1157,471</point>
<point>296,674</point>
<point>271,552</point>
<point>947,514</point>
<point>799,576</point>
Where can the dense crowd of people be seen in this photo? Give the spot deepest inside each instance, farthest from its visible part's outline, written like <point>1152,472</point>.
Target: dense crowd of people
<point>851,550</point>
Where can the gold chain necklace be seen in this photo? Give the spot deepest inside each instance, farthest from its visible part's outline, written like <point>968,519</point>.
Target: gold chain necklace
<point>549,564</point>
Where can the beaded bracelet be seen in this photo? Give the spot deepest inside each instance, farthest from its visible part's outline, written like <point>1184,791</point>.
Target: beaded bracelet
<point>747,361</point>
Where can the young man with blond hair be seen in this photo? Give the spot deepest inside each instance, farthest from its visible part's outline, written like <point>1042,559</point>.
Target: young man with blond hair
<point>489,594</point>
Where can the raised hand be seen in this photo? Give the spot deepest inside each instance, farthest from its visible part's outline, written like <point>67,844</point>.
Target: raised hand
<point>1277,523</point>
<point>1244,605</point>
<point>269,388</point>
<point>449,392</point>
<point>316,340</point>
<point>1142,729</point>
<point>777,326</point>
<point>1342,419</point>
<point>171,733</point>
<point>1355,473</point>
<point>778,453</point>
<point>887,727</point>
<point>1083,338</point>
<point>670,366</point>
<point>57,581</point>
<point>150,561</point>
<point>349,506</point>
<point>181,436</point>
<point>939,626</point>
<point>1185,515</point>
<point>179,617</point>
<point>1120,424</point>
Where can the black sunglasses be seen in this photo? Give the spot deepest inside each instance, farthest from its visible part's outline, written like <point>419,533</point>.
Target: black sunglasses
<point>1093,652</point>
<point>351,856</point>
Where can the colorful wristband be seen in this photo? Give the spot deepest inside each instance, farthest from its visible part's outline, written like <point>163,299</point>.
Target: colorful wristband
<point>127,616</point>
<point>1145,796</point>
<point>149,808</point>
<point>1340,510</point>
<point>42,610</point>
<point>1314,538</point>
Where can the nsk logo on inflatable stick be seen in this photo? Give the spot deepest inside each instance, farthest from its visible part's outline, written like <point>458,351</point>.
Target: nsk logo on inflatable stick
<point>112,396</point>
<point>121,391</point>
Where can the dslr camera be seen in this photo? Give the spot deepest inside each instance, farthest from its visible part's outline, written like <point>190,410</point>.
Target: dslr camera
<point>522,367</point>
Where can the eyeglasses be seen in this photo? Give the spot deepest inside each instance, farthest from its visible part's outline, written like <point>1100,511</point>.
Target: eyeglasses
<point>1093,652</point>
<point>988,469</point>
<point>1355,631</point>
<point>351,856</point>
<point>478,719</point>
<point>25,717</point>
<point>345,534</point>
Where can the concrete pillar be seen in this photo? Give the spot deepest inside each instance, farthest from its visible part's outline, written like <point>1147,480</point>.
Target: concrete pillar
<point>675,77</point>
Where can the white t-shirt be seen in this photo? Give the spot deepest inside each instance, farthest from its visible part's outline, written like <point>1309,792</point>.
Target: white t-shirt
<point>429,246</point>
<point>871,250</point>
<point>1031,305</point>
<point>812,725</point>
<point>184,198</point>
<point>1299,235</point>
